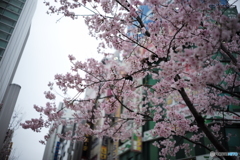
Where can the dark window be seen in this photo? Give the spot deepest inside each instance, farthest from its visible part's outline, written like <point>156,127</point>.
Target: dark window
<point>9,14</point>
<point>8,21</point>
<point>234,108</point>
<point>4,35</point>
<point>6,28</point>
<point>3,44</point>
<point>10,7</point>
<point>234,139</point>
<point>15,3</point>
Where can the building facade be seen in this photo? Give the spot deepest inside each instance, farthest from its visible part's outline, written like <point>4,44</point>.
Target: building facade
<point>15,23</point>
<point>58,148</point>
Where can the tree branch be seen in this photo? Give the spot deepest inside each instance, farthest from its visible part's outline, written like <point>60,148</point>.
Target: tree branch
<point>224,91</point>
<point>196,143</point>
<point>199,145</point>
<point>144,115</point>
<point>200,121</point>
<point>234,60</point>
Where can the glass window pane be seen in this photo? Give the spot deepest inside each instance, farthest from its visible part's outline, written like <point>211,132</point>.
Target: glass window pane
<point>7,21</point>
<point>8,14</point>
<point>234,108</point>
<point>4,35</point>
<point>10,7</point>
<point>3,44</point>
<point>6,28</point>
<point>16,3</point>
<point>3,4</point>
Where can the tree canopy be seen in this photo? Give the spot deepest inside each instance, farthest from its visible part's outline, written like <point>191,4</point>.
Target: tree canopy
<point>188,48</point>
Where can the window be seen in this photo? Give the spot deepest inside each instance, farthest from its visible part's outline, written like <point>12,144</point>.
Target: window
<point>10,7</point>
<point>8,21</point>
<point>6,28</point>
<point>234,140</point>
<point>4,35</point>
<point>234,108</point>
<point>16,3</point>
<point>8,14</point>
<point>3,44</point>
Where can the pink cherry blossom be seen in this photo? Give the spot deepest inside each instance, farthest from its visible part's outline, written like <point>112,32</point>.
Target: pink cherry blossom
<point>177,66</point>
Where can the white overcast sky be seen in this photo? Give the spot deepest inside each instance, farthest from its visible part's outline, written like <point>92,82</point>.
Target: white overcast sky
<point>45,54</point>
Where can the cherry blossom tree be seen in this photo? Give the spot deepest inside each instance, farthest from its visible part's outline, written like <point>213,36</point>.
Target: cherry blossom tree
<point>190,48</point>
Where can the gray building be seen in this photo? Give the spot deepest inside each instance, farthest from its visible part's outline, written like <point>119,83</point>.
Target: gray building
<point>15,23</point>
<point>58,148</point>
